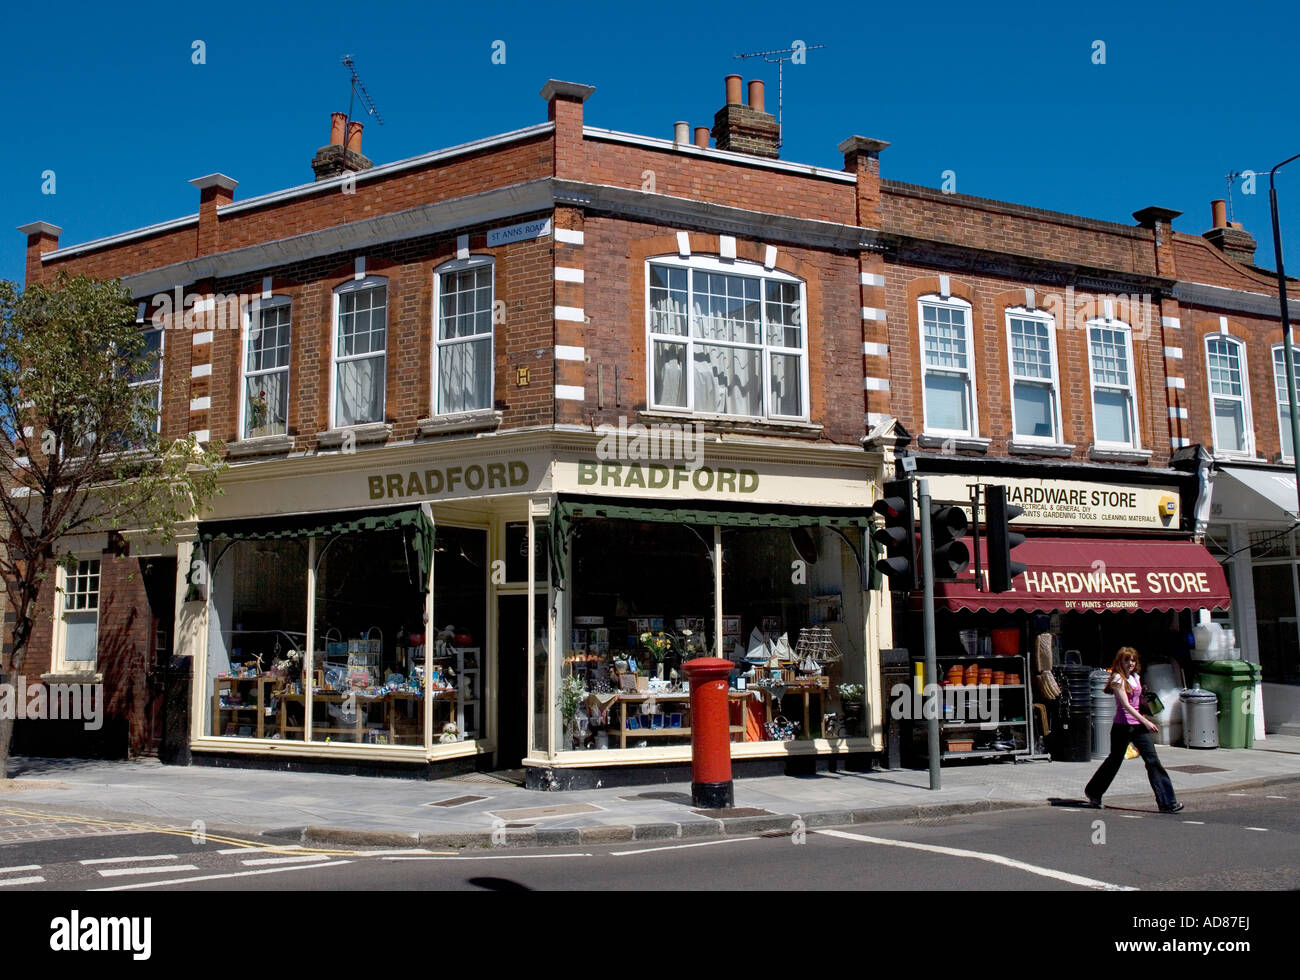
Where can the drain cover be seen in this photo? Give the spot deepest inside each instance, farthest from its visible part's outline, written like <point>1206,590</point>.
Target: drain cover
<point>735,811</point>
<point>458,801</point>
<point>538,812</point>
<point>1195,769</point>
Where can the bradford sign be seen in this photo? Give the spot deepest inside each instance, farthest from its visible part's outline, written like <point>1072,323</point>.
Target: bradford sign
<point>1073,503</point>
<point>448,480</point>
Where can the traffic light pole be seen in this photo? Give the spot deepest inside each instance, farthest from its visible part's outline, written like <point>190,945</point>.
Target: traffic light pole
<point>927,615</point>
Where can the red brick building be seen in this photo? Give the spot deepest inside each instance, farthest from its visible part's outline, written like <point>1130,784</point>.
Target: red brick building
<point>674,373</point>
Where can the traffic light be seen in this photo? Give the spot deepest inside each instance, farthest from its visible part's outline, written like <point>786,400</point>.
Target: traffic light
<point>947,526</point>
<point>1001,539</point>
<point>898,536</point>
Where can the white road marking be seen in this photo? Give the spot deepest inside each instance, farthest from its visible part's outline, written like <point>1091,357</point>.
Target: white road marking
<point>1238,794</point>
<point>21,867</point>
<point>254,862</point>
<point>1130,816</point>
<point>121,872</point>
<point>36,880</point>
<point>677,847</point>
<point>490,857</point>
<point>1275,797</point>
<point>1065,876</point>
<point>232,874</point>
<point>1198,823</point>
<point>1260,829</point>
<point>151,857</point>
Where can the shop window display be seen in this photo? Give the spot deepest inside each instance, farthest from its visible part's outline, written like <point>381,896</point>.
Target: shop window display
<point>643,602</point>
<point>257,632</point>
<point>794,619</point>
<point>459,660</point>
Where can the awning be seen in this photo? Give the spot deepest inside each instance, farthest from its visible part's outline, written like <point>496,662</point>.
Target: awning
<point>1243,493</point>
<point>569,509</point>
<point>415,522</point>
<point>1098,575</point>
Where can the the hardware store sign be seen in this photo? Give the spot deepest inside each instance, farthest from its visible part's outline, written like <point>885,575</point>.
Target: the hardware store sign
<point>1073,503</point>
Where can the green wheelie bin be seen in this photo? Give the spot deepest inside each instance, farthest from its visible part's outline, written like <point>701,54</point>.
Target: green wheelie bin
<point>1234,682</point>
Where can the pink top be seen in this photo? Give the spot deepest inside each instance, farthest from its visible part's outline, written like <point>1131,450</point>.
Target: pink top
<point>1134,698</point>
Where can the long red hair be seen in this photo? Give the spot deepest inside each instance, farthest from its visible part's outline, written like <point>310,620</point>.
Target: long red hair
<point>1117,666</point>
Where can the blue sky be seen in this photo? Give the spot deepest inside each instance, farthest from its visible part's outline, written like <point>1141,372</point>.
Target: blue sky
<point>107,96</point>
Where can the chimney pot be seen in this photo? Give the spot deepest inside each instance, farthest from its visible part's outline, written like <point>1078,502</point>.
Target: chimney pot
<point>681,132</point>
<point>702,137</point>
<point>733,90</point>
<point>354,136</point>
<point>337,122</point>
<point>756,95</point>
<point>1219,212</point>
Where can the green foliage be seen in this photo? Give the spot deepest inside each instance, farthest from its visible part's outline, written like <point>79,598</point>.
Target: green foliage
<point>78,430</point>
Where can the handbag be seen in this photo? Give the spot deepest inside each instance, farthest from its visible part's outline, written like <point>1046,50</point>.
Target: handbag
<point>1151,704</point>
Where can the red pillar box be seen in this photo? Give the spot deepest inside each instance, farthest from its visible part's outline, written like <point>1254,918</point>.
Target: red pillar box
<point>711,786</point>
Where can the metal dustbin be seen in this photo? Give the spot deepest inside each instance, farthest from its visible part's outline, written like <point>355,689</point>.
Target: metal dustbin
<point>1103,713</point>
<point>1200,718</point>
<point>1234,682</point>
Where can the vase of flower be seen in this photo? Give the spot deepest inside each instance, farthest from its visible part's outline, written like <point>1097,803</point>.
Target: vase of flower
<point>851,701</point>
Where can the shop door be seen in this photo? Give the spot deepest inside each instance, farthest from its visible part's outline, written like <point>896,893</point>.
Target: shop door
<point>159,576</point>
<point>512,681</point>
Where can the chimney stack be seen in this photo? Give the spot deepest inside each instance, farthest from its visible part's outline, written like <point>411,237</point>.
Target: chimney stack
<point>1229,237</point>
<point>702,137</point>
<point>681,132</point>
<point>746,128</point>
<point>336,158</point>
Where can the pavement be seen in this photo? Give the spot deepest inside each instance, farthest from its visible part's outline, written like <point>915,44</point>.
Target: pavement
<point>480,810</point>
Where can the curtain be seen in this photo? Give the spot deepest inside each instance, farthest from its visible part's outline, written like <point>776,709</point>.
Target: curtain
<point>360,391</point>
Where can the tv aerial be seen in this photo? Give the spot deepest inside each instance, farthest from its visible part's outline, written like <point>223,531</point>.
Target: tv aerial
<point>779,58</point>
<point>359,92</point>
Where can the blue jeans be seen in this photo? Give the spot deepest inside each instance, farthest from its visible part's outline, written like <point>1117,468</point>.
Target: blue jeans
<point>1120,737</point>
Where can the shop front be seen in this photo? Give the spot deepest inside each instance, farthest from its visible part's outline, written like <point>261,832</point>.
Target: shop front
<point>1253,531</point>
<point>526,604</point>
<point>1084,594</point>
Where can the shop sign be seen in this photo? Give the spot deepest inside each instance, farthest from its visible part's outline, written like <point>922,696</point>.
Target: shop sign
<point>519,233</point>
<point>448,480</point>
<point>1071,503</point>
<point>659,476</point>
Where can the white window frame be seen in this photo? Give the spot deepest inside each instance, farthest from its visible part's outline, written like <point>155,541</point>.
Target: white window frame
<point>1279,388</point>
<point>252,316</point>
<point>59,661</point>
<point>952,303</point>
<point>1247,417</point>
<point>1130,389</point>
<point>369,282</point>
<point>1049,321</point>
<point>461,265</point>
<point>733,267</point>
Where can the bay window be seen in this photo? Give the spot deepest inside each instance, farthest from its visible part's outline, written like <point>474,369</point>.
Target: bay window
<point>462,357</point>
<point>947,366</point>
<point>1110,356</point>
<point>726,338</point>
<point>265,401</point>
<point>1225,359</point>
<point>360,351</point>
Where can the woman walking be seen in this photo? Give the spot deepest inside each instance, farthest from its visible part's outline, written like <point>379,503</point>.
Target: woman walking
<point>1131,726</point>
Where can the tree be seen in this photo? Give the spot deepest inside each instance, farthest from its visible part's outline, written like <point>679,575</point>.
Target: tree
<point>79,440</point>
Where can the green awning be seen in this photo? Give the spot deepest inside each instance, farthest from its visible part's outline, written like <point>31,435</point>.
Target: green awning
<point>569,509</point>
<point>416,525</point>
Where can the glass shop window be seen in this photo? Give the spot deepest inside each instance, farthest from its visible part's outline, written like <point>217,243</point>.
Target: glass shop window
<point>793,618</point>
<point>642,600</point>
<point>458,668</point>
<point>370,645</point>
<point>257,632</point>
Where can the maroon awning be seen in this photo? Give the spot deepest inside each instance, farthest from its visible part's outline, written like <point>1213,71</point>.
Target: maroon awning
<point>1097,575</point>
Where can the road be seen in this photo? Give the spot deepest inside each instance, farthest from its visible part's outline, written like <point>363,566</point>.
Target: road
<point>1247,841</point>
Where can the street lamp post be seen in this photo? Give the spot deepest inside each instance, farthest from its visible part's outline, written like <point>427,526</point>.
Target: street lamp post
<point>1287,355</point>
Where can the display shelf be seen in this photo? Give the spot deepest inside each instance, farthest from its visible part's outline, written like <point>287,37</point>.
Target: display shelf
<point>1017,694</point>
<point>684,731</point>
<point>469,694</point>
<point>230,713</point>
